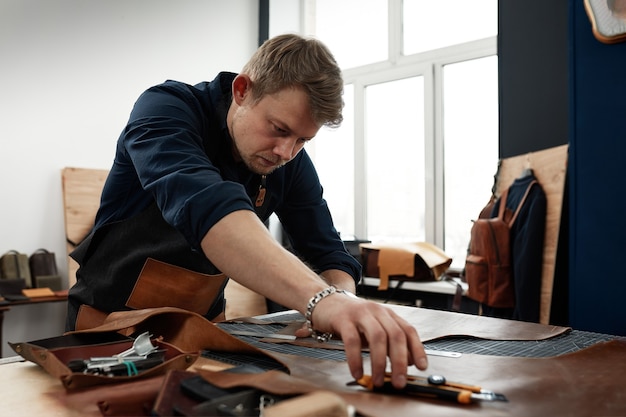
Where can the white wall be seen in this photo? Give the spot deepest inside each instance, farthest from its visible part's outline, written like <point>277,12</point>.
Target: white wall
<point>70,71</point>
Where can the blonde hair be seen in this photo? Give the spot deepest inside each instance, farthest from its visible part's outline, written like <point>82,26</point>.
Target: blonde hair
<point>288,61</point>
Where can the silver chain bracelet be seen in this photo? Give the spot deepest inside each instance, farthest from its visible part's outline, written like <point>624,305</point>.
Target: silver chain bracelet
<point>320,337</point>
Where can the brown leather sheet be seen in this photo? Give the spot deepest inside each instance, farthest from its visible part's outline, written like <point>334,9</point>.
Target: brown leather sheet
<point>437,324</point>
<point>589,382</point>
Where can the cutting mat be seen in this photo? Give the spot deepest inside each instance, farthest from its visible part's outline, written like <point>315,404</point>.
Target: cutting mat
<point>566,343</point>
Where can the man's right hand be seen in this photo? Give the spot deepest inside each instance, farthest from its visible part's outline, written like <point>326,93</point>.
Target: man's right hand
<point>361,323</point>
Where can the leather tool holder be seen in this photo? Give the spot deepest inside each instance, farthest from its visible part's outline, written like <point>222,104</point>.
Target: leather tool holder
<point>185,393</point>
<point>181,333</point>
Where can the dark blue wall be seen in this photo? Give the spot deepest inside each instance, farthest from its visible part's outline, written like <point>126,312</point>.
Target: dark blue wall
<point>558,85</point>
<point>597,175</point>
<point>533,82</point>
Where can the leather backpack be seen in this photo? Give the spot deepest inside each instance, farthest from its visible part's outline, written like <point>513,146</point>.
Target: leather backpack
<point>488,266</point>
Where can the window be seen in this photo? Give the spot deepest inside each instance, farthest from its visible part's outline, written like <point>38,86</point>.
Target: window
<point>416,157</point>
<point>394,151</point>
<point>470,146</point>
<point>336,148</point>
<point>431,24</point>
<point>352,44</point>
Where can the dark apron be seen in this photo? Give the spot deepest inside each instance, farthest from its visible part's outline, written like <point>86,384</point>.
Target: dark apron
<point>112,257</point>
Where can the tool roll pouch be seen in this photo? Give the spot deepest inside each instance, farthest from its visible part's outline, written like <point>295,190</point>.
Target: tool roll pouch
<point>295,396</point>
<point>241,391</point>
<point>180,333</point>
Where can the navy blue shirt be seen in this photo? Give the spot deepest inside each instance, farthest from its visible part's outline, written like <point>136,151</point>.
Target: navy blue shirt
<point>174,176</point>
<point>176,151</point>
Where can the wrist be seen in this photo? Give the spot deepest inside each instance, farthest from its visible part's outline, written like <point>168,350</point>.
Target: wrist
<point>312,304</point>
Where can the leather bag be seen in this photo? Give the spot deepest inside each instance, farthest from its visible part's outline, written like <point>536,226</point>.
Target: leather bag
<point>489,262</point>
<point>43,270</point>
<point>14,265</point>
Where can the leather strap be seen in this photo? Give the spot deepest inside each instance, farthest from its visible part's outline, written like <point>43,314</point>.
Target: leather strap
<point>519,206</point>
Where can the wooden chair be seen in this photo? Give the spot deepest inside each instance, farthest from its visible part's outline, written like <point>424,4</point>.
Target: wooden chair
<point>82,188</point>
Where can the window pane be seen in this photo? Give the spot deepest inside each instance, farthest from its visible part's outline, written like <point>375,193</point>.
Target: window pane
<point>395,178</point>
<point>432,24</point>
<point>470,147</point>
<point>354,30</point>
<point>333,153</point>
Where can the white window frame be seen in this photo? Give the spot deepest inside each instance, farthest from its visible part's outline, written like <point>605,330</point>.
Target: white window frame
<point>430,66</point>
<point>398,66</point>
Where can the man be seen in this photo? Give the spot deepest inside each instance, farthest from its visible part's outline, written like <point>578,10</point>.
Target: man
<point>196,171</point>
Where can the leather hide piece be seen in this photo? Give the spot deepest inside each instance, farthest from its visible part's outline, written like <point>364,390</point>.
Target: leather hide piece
<point>437,324</point>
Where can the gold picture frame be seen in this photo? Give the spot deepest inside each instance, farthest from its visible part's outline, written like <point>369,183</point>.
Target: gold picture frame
<point>608,19</point>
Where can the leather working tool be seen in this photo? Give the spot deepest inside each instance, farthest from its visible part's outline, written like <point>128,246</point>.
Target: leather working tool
<point>435,386</point>
<point>120,368</point>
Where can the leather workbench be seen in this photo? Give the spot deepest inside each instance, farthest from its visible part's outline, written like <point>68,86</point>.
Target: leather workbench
<point>586,382</point>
